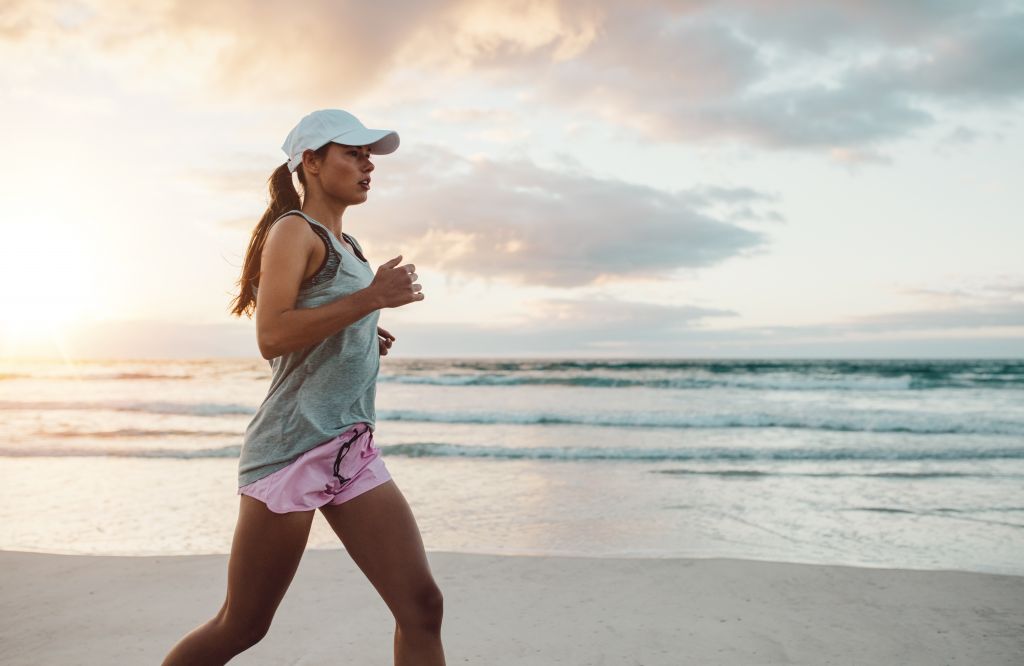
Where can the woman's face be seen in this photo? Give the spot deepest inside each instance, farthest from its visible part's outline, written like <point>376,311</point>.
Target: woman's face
<point>345,172</point>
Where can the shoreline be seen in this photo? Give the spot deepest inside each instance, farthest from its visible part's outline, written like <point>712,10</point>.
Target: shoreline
<point>447,553</point>
<point>525,609</point>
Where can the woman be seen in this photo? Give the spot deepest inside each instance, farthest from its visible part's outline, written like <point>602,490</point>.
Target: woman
<point>310,444</point>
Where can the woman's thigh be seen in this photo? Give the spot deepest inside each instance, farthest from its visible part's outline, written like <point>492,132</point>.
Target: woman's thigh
<point>265,555</point>
<point>380,533</point>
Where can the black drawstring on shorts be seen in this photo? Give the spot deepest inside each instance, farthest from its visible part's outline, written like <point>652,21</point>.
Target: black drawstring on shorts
<point>341,454</point>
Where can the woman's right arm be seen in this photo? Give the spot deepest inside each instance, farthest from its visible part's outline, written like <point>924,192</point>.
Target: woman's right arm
<point>280,328</point>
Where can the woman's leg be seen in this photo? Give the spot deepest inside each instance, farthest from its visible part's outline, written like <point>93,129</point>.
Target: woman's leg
<point>265,554</point>
<point>379,532</point>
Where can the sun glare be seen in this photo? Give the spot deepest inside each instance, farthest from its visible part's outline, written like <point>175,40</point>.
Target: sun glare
<point>45,286</point>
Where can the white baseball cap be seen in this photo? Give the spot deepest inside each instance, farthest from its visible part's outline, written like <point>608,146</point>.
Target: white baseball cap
<point>326,125</point>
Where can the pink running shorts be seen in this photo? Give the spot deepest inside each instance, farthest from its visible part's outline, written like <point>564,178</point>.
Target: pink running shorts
<point>331,473</point>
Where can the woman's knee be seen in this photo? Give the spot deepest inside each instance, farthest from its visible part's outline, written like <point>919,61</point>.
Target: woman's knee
<point>244,633</point>
<point>424,610</point>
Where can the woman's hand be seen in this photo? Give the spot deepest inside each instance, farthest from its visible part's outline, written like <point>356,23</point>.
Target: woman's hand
<point>384,339</point>
<point>394,286</point>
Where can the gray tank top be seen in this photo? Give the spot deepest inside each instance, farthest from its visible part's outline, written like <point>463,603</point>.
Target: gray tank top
<point>318,392</point>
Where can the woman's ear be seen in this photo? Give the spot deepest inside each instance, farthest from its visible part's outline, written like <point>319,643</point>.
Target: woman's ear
<point>310,162</point>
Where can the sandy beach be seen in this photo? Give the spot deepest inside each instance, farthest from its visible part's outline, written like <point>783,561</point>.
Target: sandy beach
<point>68,609</point>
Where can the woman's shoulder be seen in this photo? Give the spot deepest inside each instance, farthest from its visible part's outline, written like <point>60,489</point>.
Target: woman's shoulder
<point>290,236</point>
<point>292,219</point>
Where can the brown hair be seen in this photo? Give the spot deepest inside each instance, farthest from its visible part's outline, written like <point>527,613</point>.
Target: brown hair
<point>283,198</point>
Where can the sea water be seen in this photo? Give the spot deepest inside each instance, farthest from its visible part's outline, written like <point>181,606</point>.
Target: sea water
<point>884,463</point>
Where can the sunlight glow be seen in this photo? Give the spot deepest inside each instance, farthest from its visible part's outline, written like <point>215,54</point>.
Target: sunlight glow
<point>45,285</point>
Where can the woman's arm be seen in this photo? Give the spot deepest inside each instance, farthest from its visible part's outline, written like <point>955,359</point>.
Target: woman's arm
<point>280,327</point>
<point>297,329</point>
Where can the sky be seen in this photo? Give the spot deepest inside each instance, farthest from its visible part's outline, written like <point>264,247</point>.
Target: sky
<point>689,179</point>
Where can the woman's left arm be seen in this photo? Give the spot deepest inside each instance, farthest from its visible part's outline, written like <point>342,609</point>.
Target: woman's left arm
<point>384,339</point>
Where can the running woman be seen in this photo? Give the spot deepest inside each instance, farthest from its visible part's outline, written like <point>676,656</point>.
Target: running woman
<point>310,444</point>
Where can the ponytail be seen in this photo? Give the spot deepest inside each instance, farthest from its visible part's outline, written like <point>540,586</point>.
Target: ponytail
<point>283,198</point>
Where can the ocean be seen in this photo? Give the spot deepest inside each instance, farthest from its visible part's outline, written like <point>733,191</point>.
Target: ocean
<point>882,463</point>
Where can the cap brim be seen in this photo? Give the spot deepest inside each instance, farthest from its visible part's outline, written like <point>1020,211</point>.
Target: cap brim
<point>381,142</point>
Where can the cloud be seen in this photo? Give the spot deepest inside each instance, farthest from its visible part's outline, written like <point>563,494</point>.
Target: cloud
<point>977,316</point>
<point>845,75</point>
<point>961,135</point>
<point>987,318</point>
<point>473,116</point>
<point>607,317</point>
<point>23,19</point>
<point>601,327</point>
<point>791,74</point>
<point>852,158</point>
<point>241,49</point>
<point>479,33</point>
<point>1001,292</point>
<point>674,331</point>
<point>237,181</point>
<point>798,74</point>
<point>841,76</point>
<point>816,27</point>
<point>515,220</point>
<point>615,318</point>
<point>322,49</point>
<point>512,219</point>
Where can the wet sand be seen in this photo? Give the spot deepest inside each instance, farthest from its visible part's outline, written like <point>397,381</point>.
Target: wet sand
<point>73,609</point>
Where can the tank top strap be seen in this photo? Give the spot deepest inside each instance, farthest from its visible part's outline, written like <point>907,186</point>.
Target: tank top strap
<point>355,244</point>
<point>327,232</point>
<point>299,212</point>
<point>330,234</point>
